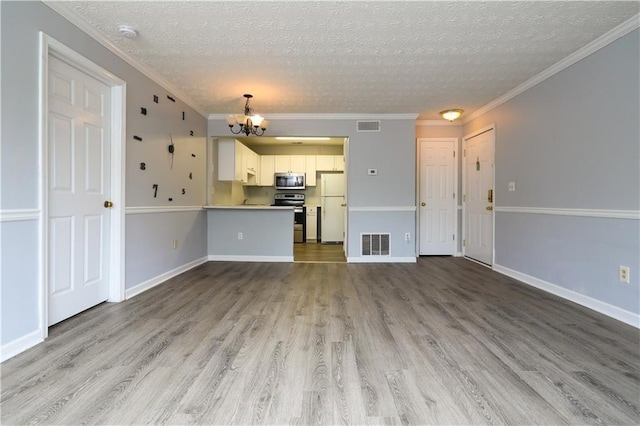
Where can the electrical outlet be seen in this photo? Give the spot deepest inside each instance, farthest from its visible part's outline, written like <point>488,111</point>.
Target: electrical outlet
<point>240,236</point>
<point>407,237</point>
<point>623,274</point>
<point>512,186</point>
<point>175,244</point>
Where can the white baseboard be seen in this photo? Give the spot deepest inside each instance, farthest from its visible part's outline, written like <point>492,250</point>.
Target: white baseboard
<point>586,301</point>
<point>381,259</point>
<point>457,254</point>
<point>21,344</point>
<point>237,258</point>
<point>137,289</point>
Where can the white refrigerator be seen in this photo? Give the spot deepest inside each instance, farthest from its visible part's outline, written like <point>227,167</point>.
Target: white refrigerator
<point>332,203</point>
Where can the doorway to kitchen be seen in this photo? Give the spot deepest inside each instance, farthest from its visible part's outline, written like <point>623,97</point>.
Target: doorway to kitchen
<point>313,252</point>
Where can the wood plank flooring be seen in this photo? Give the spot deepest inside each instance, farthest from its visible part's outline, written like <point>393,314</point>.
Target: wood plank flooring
<point>316,252</point>
<point>443,341</point>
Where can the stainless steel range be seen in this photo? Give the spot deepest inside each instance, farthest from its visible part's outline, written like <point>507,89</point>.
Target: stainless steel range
<point>299,214</point>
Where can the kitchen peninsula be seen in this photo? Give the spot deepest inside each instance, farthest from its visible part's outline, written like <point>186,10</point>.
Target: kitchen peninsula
<point>251,233</point>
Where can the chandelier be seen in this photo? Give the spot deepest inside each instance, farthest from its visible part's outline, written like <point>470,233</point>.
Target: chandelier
<point>249,123</point>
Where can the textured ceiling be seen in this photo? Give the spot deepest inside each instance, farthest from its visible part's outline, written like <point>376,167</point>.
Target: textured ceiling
<point>351,57</point>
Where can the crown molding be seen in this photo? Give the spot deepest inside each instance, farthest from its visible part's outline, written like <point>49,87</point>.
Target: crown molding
<point>328,116</point>
<point>68,13</point>
<point>437,123</point>
<point>621,30</point>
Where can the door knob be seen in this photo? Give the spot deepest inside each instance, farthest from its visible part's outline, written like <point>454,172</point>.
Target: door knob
<point>423,204</point>
<point>489,208</point>
<point>343,205</point>
<point>108,204</point>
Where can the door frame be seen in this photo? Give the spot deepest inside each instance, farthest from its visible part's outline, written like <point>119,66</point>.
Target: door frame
<point>465,140</point>
<point>455,142</point>
<point>51,46</point>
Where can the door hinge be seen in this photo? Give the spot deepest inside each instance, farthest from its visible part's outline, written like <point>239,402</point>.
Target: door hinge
<point>454,237</point>
<point>465,152</point>
<point>464,198</point>
<point>454,195</point>
<point>464,243</point>
<point>454,154</point>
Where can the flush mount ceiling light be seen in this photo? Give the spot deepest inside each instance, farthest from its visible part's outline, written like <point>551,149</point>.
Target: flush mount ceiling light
<point>451,114</point>
<point>249,123</point>
<point>127,31</point>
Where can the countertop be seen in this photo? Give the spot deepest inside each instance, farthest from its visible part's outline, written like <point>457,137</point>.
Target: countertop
<point>249,207</point>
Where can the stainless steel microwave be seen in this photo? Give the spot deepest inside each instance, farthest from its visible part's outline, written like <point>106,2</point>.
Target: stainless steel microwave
<point>289,180</point>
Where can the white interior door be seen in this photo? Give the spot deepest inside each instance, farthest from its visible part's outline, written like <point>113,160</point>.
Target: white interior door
<point>79,123</point>
<point>437,202</point>
<point>479,196</point>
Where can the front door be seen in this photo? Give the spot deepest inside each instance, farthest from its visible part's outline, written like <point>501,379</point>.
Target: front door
<point>479,196</point>
<point>79,123</point>
<point>437,197</point>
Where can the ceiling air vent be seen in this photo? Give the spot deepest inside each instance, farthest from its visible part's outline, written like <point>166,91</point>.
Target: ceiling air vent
<point>368,126</point>
<point>375,245</point>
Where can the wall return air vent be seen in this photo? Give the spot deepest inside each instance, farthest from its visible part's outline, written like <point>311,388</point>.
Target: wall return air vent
<point>375,245</point>
<point>368,126</point>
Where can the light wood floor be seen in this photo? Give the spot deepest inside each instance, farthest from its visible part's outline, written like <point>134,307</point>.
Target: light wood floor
<point>314,252</point>
<point>443,341</point>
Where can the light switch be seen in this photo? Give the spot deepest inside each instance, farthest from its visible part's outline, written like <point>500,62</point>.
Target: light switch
<point>512,186</point>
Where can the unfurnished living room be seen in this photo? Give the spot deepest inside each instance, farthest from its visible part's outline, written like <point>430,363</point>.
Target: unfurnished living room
<point>318,212</point>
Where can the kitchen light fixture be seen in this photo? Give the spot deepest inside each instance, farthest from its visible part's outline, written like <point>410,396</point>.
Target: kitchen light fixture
<point>249,123</point>
<point>302,138</point>
<point>451,114</point>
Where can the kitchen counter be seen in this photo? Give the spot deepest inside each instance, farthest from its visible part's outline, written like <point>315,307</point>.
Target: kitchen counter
<point>248,207</point>
<point>250,233</point>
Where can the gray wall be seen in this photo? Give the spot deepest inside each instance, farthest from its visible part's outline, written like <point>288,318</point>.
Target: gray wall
<point>572,142</point>
<point>391,151</point>
<point>20,173</point>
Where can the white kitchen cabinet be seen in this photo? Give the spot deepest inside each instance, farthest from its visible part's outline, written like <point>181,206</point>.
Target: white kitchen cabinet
<point>310,170</point>
<point>290,163</point>
<point>234,160</point>
<point>329,163</point>
<point>267,169</point>
<point>312,223</point>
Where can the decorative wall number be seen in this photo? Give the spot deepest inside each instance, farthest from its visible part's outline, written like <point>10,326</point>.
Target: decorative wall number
<point>138,138</point>
<point>193,155</point>
<point>170,199</point>
<point>143,111</point>
<point>143,166</point>
<point>478,164</point>
<point>191,133</point>
<point>183,191</point>
<point>183,115</point>
<point>155,190</point>
<point>155,98</point>
<point>190,175</point>
<point>170,98</point>
<point>172,150</point>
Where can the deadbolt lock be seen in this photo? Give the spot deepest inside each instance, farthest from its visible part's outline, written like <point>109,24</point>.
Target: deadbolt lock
<point>108,204</point>
<point>489,208</point>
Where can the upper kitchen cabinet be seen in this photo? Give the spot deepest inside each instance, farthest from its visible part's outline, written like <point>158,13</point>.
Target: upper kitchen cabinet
<point>267,169</point>
<point>236,162</point>
<point>329,163</point>
<point>310,170</point>
<point>290,163</point>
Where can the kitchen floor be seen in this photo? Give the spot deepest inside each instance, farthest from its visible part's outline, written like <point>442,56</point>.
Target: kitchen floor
<point>318,253</point>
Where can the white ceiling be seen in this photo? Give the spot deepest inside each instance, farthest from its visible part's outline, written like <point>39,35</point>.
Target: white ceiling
<point>364,57</point>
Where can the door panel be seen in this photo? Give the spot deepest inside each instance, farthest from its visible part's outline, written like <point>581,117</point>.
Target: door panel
<point>478,167</point>
<point>437,200</point>
<point>79,175</point>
